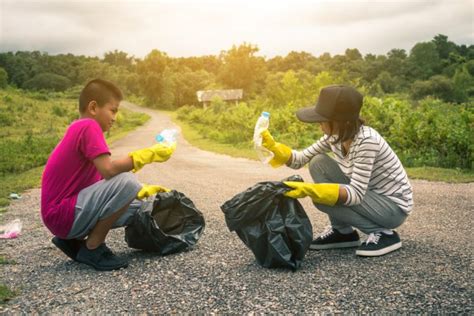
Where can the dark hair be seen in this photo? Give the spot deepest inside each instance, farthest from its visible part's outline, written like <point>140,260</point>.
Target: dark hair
<point>346,129</point>
<point>98,90</point>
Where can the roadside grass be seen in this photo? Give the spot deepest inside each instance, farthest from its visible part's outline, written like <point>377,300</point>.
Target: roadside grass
<point>4,260</point>
<point>17,183</point>
<point>423,173</point>
<point>6,294</point>
<point>441,174</point>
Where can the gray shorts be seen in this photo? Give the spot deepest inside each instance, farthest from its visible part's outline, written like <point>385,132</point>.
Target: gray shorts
<point>102,199</point>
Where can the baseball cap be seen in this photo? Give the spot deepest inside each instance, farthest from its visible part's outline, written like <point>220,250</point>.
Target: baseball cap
<point>335,103</point>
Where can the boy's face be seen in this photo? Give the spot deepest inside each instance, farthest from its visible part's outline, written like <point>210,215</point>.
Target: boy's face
<point>105,115</point>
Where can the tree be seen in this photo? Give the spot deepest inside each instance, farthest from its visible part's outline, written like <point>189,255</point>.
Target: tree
<point>187,83</point>
<point>119,58</point>
<point>438,86</point>
<point>386,82</point>
<point>463,84</point>
<point>424,61</point>
<point>48,81</point>
<point>296,61</point>
<point>242,69</point>
<point>443,46</point>
<point>3,78</point>
<point>156,80</point>
<point>353,54</point>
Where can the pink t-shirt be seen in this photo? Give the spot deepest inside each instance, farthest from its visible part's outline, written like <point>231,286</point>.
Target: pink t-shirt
<point>69,170</point>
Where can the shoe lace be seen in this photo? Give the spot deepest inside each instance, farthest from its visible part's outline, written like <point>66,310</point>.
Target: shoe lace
<point>327,232</point>
<point>373,238</point>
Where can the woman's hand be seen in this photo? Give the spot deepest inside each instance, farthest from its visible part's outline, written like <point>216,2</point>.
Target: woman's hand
<point>281,152</point>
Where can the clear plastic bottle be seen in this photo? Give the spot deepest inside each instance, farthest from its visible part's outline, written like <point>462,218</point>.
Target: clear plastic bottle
<point>262,124</point>
<point>168,136</point>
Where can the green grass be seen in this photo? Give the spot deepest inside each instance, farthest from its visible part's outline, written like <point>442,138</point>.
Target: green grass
<point>129,121</point>
<point>197,140</point>
<point>18,183</point>
<point>441,174</point>
<point>4,260</point>
<point>425,173</point>
<point>6,294</point>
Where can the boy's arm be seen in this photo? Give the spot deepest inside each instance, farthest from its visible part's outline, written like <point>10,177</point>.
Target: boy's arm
<point>109,168</point>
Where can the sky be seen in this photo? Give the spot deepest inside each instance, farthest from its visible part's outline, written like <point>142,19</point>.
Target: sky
<point>183,28</point>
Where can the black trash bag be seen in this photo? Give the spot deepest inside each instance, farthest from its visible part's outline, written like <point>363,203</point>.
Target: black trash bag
<point>276,228</point>
<point>165,224</point>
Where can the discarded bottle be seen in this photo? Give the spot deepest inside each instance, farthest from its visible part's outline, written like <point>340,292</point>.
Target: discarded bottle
<point>168,136</point>
<point>262,124</point>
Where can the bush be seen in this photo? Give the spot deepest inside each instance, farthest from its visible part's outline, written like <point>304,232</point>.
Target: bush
<point>25,153</point>
<point>3,78</point>
<point>48,81</point>
<point>438,86</point>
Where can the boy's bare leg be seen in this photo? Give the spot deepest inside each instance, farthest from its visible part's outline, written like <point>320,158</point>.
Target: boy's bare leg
<point>102,228</point>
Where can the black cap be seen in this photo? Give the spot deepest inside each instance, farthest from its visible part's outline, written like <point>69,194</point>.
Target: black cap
<point>335,103</point>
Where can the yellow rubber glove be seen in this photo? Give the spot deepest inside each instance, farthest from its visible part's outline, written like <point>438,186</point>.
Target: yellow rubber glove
<point>321,193</point>
<point>156,153</point>
<point>282,153</point>
<point>149,190</point>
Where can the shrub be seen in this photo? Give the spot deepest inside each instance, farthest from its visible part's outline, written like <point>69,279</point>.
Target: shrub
<point>48,81</point>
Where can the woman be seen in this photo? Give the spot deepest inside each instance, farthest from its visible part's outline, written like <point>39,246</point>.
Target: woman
<point>365,186</point>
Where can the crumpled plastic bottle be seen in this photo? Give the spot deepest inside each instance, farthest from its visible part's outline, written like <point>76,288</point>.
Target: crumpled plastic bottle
<point>168,136</point>
<point>262,124</point>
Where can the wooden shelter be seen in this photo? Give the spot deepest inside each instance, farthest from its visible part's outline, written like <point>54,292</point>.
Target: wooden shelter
<point>205,96</point>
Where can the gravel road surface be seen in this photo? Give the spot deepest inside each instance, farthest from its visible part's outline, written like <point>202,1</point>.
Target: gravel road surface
<point>431,273</point>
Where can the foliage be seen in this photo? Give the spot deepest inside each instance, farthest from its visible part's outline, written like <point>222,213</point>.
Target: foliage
<point>427,133</point>
<point>48,81</point>
<point>242,69</point>
<point>3,78</point>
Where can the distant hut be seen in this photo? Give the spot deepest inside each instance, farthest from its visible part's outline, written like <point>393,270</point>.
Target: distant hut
<point>226,95</point>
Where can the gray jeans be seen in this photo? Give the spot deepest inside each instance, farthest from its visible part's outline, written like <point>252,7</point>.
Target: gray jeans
<point>375,213</point>
<point>102,199</point>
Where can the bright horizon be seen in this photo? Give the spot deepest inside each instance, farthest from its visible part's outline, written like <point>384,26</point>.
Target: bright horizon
<point>185,28</point>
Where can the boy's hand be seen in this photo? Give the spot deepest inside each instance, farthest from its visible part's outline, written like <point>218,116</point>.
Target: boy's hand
<point>321,193</point>
<point>155,153</point>
<point>282,153</point>
<point>149,190</point>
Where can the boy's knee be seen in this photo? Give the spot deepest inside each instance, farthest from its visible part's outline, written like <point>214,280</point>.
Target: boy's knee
<point>128,181</point>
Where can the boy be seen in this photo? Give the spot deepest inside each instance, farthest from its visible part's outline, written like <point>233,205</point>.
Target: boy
<point>365,186</point>
<point>84,193</point>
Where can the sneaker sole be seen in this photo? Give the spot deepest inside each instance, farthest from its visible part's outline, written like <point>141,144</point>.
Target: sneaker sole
<point>101,268</point>
<point>347,244</point>
<point>380,252</point>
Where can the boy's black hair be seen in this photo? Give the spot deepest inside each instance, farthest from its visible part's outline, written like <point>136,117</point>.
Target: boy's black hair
<point>98,90</point>
<point>346,129</point>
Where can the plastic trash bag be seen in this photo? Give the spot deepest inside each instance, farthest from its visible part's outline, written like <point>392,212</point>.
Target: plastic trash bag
<point>276,228</point>
<point>11,229</point>
<point>166,223</point>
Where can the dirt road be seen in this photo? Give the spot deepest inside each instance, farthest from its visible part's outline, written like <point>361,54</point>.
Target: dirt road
<point>431,273</point>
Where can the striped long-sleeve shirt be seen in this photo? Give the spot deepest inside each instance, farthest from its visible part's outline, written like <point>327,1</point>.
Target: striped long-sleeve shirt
<point>370,164</point>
